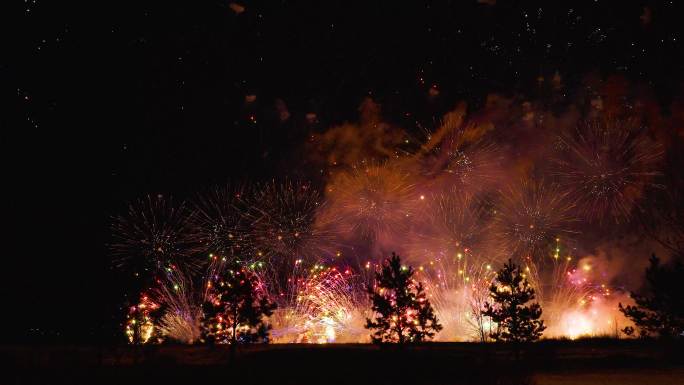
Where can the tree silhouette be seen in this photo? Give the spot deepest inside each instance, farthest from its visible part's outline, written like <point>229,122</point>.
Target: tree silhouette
<point>478,321</point>
<point>662,214</point>
<point>402,312</point>
<point>516,321</point>
<point>235,312</point>
<point>660,311</point>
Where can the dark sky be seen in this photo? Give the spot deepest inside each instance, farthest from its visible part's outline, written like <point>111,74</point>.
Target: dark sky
<point>116,100</point>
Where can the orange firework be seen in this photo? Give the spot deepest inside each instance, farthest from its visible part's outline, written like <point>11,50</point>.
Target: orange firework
<point>373,200</point>
<point>451,223</point>
<point>528,219</point>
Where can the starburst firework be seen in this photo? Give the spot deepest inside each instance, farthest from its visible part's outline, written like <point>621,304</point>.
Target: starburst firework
<point>606,167</point>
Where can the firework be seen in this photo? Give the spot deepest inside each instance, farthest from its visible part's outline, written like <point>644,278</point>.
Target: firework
<point>469,167</point>
<point>181,304</point>
<point>452,223</point>
<point>607,167</point>
<point>320,306</point>
<point>181,326</point>
<point>236,308</point>
<point>557,288</point>
<point>140,328</point>
<point>221,222</point>
<point>574,305</point>
<point>473,165</point>
<point>530,218</point>
<point>457,287</point>
<point>441,198</point>
<point>373,200</point>
<point>456,155</point>
<point>284,220</point>
<point>153,233</point>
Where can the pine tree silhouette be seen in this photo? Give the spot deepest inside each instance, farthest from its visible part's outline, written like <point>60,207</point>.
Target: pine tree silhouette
<point>516,321</point>
<point>661,311</point>
<point>403,313</point>
<point>236,312</point>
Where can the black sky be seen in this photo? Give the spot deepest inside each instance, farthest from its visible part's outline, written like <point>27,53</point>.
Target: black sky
<point>117,100</point>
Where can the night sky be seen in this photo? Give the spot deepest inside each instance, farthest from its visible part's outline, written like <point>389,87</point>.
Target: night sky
<point>117,100</point>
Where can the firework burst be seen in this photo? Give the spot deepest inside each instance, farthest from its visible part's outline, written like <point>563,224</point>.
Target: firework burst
<point>181,305</point>
<point>574,304</point>
<point>373,201</point>
<point>457,287</point>
<point>529,219</point>
<point>152,234</point>
<point>457,155</point>
<point>286,224</point>
<point>607,167</point>
<point>320,306</point>
<point>221,223</point>
<point>451,224</point>
<point>473,165</point>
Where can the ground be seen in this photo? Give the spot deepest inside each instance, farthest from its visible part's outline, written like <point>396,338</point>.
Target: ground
<point>548,362</point>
